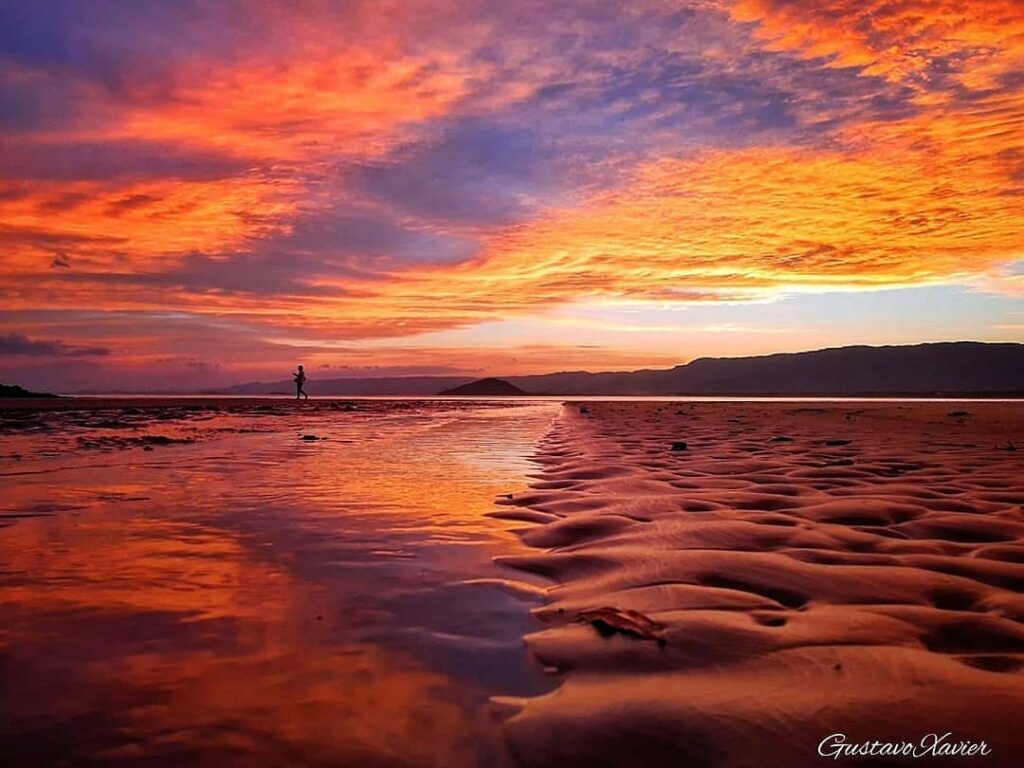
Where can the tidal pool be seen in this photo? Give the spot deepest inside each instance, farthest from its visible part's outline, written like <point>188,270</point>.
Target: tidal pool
<point>190,583</point>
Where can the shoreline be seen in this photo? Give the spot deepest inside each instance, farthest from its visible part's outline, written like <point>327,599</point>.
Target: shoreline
<point>143,401</point>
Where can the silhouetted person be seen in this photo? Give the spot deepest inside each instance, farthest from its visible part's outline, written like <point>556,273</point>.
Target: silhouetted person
<point>300,383</point>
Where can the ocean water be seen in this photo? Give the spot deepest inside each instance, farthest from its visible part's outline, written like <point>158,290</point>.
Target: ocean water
<point>199,585</point>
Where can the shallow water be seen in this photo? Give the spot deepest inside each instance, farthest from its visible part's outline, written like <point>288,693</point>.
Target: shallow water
<point>251,598</point>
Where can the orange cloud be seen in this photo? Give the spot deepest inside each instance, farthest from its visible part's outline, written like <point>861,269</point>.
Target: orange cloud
<point>897,39</point>
<point>911,202</point>
<point>764,219</point>
<point>148,220</point>
<point>320,102</point>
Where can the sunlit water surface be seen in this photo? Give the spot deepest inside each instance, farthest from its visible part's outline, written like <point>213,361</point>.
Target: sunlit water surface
<point>251,598</point>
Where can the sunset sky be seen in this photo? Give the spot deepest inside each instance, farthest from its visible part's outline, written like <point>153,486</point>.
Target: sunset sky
<point>194,194</point>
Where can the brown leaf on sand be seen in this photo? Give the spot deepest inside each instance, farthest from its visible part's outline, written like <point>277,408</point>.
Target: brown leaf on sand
<point>610,621</point>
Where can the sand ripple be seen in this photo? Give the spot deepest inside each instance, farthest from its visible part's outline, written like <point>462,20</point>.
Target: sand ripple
<point>808,570</point>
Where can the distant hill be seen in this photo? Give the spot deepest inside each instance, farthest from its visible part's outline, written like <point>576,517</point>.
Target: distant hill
<point>949,368</point>
<point>395,385</point>
<point>485,388</point>
<point>13,390</point>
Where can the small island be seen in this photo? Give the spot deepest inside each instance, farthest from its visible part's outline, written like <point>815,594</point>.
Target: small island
<point>485,388</point>
<point>13,390</point>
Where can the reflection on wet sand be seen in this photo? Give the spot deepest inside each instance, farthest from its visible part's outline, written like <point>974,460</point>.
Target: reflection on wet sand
<point>252,598</point>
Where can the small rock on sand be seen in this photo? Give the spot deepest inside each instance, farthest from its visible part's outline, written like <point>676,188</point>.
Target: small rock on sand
<point>164,440</point>
<point>679,445</point>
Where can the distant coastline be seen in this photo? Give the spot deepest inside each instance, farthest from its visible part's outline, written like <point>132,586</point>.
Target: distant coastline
<point>966,370</point>
<point>13,391</point>
<point>955,369</point>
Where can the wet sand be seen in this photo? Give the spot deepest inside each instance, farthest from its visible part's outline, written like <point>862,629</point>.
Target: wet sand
<point>735,582</point>
<point>190,582</point>
<point>345,582</point>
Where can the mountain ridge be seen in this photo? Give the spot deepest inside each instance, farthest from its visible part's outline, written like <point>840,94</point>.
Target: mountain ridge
<point>965,367</point>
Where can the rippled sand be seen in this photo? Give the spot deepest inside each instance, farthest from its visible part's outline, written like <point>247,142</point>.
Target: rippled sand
<point>735,582</point>
<point>193,583</point>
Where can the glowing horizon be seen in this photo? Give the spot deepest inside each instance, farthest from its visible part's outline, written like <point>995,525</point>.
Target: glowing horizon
<point>194,195</point>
